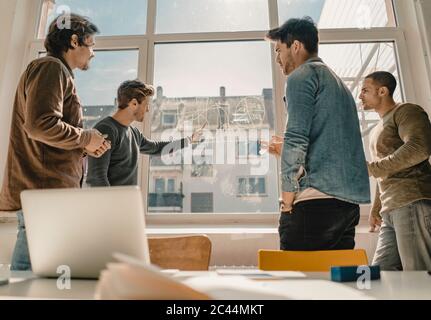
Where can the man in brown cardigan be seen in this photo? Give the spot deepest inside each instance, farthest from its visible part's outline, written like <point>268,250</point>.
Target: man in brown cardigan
<point>47,143</point>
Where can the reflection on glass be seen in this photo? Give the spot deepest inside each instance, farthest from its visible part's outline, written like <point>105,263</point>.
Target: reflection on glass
<point>222,85</point>
<point>112,17</point>
<point>331,14</point>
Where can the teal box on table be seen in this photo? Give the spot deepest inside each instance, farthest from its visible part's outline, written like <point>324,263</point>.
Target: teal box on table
<point>352,273</point>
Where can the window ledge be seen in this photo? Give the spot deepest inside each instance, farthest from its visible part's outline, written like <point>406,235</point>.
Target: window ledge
<point>205,229</point>
<point>151,230</point>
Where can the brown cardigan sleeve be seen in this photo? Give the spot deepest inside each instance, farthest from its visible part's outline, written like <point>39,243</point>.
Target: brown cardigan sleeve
<point>43,121</point>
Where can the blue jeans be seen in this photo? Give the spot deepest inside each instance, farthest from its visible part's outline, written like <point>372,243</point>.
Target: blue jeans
<point>405,238</point>
<point>21,256</point>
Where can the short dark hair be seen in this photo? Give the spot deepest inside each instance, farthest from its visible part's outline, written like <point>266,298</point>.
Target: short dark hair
<point>133,89</point>
<point>384,79</point>
<point>304,30</point>
<point>58,39</point>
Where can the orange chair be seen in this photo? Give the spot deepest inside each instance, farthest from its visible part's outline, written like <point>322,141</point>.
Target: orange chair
<point>310,261</point>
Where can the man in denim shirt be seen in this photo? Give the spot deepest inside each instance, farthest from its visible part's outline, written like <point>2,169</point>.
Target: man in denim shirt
<point>323,168</point>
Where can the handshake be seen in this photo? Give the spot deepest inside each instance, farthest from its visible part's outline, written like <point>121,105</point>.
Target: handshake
<point>98,144</point>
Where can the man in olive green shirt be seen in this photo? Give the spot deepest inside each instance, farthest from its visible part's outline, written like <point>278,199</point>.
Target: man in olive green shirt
<point>400,148</point>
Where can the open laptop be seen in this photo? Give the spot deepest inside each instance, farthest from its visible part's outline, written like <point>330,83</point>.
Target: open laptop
<point>78,230</point>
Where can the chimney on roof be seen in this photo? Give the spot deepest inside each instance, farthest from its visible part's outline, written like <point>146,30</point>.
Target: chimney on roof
<point>159,93</point>
<point>223,94</point>
<point>269,107</point>
<point>222,109</point>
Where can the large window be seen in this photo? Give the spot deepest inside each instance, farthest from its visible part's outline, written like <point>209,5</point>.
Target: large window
<point>212,67</point>
<point>98,86</point>
<point>223,86</point>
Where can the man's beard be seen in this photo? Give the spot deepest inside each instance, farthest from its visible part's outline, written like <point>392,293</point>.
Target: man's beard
<point>87,65</point>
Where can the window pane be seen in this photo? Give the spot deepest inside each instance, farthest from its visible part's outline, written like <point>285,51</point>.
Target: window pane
<point>242,148</point>
<point>187,16</point>
<point>202,202</point>
<point>169,119</point>
<point>252,148</point>
<point>97,87</point>
<point>171,186</point>
<point>214,83</point>
<point>330,14</point>
<point>113,17</point>
<point>261,186</point>
<point>252,186</point>
<point>160,185</point>
<point>202,170</point>
<point>242,186</point>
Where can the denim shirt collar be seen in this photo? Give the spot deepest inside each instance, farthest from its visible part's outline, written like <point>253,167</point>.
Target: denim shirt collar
<point>314,59</point>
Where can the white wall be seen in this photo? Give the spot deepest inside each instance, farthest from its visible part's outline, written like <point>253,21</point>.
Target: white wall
<point>425,10</point>
<point>7,14</point>
<point>7,9</point>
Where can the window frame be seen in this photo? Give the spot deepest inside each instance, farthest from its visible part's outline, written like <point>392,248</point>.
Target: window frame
<point>146,45</point>
<point>251,195</point>
<point>167,124</point>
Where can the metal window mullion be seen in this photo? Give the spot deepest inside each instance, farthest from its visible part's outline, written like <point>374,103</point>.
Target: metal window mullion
<point>356,35</point>
<point>278,81</point>
<point>273,14</point>
<point>404,72</point>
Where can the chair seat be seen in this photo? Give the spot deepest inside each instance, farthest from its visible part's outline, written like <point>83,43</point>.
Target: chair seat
<point>189,253</point>
<point>310,261</point>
